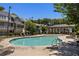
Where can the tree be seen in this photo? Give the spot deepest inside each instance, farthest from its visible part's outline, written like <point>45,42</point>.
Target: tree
<point>45,21</point>
<point>44,29</point>
<point>50,22</point>
<point>1,8</point>
<point>30,26</point>
<point>70,12</point>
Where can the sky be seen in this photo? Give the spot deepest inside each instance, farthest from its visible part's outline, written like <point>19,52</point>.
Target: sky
<point>35,10</point>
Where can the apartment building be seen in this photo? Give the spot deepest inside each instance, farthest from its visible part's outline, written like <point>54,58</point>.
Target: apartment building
<point>61,29</point>
<point>14,25</point>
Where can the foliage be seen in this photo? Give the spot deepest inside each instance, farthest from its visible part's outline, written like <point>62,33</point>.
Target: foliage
<point>44,29</point>
<point>33,28</point>
<point>70,11</point>
<point>30,26</point>
<point>50,22</point>
<point>1,8</point>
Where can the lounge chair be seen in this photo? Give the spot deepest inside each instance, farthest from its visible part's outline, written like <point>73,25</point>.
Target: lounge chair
<point>52,47</point>
<point>77,42</point>
<point>6,49</point>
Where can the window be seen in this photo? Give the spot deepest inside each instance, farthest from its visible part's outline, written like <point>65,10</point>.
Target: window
<point>0,17</point>
<point>11,24</point>
<point>3,17</point>
<point>6,18</point>
<point>12,19</point>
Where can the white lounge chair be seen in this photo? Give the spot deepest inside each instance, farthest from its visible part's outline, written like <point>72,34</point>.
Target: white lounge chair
<point>2,50</point>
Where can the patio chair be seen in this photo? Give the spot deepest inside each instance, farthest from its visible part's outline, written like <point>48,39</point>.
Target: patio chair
<point>52,47</point>
<point>77,42</point>
<point>6,49</point>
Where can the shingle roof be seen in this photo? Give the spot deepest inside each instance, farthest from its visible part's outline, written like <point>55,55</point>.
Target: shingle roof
<point>4,13</point>
<point>62,25</point>
<point>40,24</point>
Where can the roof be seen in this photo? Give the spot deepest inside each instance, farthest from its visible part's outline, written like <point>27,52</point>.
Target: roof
<point>62,25</point>
<point>14,16</point>
<point>40,24</point>
<point>4,13</point>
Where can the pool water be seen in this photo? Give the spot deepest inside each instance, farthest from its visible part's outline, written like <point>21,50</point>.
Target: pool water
<point>36,41</point>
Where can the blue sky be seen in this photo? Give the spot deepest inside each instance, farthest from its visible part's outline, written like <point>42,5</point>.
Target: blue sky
<point>36,10</point>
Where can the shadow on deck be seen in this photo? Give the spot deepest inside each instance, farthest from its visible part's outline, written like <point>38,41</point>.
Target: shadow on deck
<point>65,49</point>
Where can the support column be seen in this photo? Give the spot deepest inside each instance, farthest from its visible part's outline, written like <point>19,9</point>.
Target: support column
<point>59,30</point>
<point>70,30</point>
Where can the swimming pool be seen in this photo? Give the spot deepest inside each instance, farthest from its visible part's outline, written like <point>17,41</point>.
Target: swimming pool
<point>36,41</point>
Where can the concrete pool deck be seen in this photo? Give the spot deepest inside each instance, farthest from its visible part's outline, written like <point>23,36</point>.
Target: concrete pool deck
<point>33,51</point>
